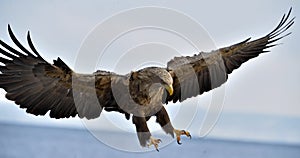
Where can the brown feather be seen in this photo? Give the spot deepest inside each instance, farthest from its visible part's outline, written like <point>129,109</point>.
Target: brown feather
<point>40,87</point>
<point>212,69</point>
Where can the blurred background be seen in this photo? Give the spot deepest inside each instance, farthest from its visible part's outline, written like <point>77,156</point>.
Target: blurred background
<point>261,110</point>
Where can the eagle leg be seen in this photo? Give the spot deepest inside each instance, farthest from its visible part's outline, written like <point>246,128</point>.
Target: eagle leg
<point>163,119</point>
<point>143,132</point>
<point>181,132</point>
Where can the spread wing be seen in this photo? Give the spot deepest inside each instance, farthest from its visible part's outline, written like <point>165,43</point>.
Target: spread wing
<point>194,75</point>
<point>39,86</point>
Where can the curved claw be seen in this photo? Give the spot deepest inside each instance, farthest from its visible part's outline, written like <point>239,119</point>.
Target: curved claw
<point>153,141</point>
<point>181,132</point>
<point>188,134</point>
<point>178,142</point>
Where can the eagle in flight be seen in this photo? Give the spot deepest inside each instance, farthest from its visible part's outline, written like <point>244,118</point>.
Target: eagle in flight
<point>41,87</point>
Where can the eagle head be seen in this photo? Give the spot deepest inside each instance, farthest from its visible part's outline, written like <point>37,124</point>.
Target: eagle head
<point>154,75</point>
<point>162,76</point>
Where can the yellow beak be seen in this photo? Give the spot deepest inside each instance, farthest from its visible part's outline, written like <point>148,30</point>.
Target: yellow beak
<point>169,88</point>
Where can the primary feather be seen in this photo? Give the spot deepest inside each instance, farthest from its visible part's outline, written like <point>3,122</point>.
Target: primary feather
<point>194,75</point>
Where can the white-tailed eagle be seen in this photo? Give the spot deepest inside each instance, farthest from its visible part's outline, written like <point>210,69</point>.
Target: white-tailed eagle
<point>41,87</point>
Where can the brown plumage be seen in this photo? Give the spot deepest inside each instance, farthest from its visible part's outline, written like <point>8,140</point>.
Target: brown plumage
<point>41,87</point>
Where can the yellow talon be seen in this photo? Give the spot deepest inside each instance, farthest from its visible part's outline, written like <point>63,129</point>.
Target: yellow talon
<point>181,132</point>
<point>153,141</point>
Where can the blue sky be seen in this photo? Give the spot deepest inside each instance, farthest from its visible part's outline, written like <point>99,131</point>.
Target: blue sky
<point>266,87</point>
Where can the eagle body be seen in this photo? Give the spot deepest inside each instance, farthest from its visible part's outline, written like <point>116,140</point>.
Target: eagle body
<point>41,87</point>
<point>137,93</point>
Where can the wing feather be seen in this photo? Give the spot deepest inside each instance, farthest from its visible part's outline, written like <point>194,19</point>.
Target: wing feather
<point>40,87</point>
<point>194,75</point>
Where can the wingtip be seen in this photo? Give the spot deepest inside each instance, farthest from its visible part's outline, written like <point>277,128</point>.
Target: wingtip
<point>31,44</point>
<point>28,36</point>
<point>10,32</point>
<point>291,8</point>
<point>9,28</point>
<point>290,11</point>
